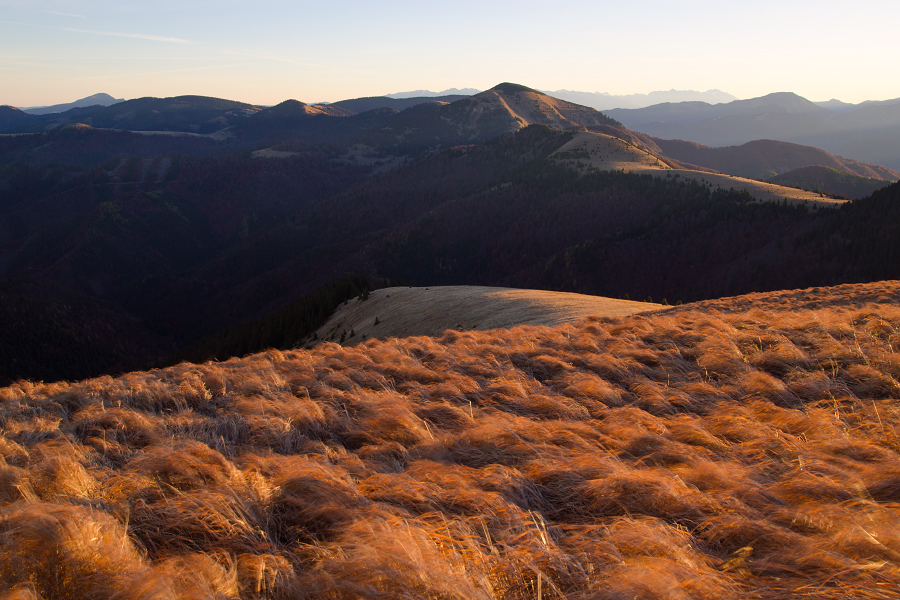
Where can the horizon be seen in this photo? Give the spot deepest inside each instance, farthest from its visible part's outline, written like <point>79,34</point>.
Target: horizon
<point>55,51</point>
<point>451,91</point>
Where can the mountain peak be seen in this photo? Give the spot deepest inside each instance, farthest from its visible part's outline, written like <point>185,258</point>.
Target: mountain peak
<point>288,108</point>
<point>101,99</point>
<point>290,104</point>
<point>512,88</point>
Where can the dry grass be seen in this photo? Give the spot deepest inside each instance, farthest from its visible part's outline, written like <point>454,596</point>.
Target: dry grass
<point>743,448</point>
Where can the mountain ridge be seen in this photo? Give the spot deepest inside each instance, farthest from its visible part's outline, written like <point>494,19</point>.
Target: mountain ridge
<point>868,132</point>
<point>604,101</point>
<point>101,99</point>
<point>830,181</point>
<point>360,105</point>
<point>505,108</point>
<point>428,93</point>
<point>764,159</point>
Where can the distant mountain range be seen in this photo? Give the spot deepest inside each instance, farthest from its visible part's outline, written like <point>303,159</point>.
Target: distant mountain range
<point>604,101</point>
<point>415,125</point>
<point>96,99</point>
<point>427,93</point>
<point>868,132</point>
<point>838,106</point>
<point>599,100</point>
<point>189,114</point>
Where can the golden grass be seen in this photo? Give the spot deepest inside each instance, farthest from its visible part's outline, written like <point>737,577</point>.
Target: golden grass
<point>742,448</point>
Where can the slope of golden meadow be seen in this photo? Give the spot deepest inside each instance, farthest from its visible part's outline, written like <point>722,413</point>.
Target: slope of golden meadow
<point>746,449</point>
<point>408,311</point>
<point>609,153</point>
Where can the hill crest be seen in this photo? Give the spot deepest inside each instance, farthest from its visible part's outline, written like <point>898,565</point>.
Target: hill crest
<point>765,159</point>
<point>505,108</point>
<point>407,311</point>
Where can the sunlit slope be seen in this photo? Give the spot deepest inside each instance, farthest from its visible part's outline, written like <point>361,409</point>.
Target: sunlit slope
<point>408,311</point>
<point>505,108</point>
<point>609,153</point>
<point>744,449</point>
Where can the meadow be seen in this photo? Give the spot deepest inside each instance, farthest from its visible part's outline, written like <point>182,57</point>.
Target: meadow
<point>737,448</point>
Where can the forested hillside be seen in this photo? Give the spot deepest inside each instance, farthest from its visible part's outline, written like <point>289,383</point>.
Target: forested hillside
<point>182,247</point>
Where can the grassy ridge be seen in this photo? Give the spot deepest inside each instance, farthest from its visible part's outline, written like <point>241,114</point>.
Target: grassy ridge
<point>709,452</point>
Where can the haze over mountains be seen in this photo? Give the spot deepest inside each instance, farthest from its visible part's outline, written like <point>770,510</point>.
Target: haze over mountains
<point>601,100</point>
<point>869,132</point>
<point>427,93</point>
<point>604,101</point>
<point>94,100</point>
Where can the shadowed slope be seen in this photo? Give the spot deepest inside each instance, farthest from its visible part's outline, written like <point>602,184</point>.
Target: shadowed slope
<point>698,453</point>
<point>831,181</point>
<point>764,159</point>
<point>360,105</point>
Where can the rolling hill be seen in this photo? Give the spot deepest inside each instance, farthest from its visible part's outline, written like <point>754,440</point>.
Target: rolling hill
<point>503,109</point>
<point>11,117</point>
<point>407,311</point>
<point>360,105</point>
<point>764,159</point>
<point>745,448</point>
<point>830,181</point>
<point>191,114</point>
<point>589,150</point>
<point>321,123</point>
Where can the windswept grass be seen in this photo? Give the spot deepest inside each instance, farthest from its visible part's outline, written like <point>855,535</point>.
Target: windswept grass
<point>743,448</point>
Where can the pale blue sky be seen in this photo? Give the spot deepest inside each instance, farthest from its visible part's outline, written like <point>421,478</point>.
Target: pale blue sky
<point>55,51</point>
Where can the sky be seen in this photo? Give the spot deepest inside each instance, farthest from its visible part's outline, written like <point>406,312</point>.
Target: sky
<point>55,51</point>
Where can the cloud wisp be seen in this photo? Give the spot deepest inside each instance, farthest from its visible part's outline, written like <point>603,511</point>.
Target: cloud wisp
<point>138,36</point>
<point>63,14</point>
